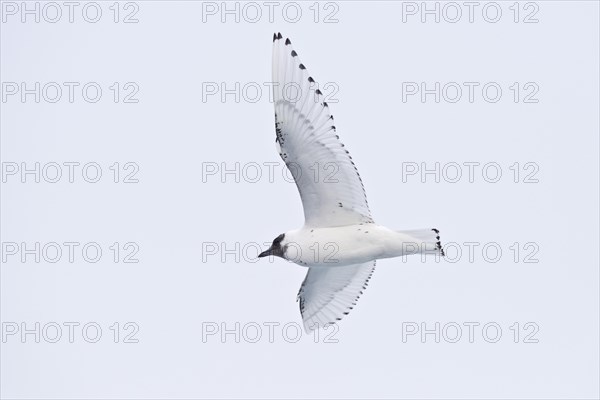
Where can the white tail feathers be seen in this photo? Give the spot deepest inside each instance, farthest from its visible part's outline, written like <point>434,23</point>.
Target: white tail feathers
<point>424,241</point>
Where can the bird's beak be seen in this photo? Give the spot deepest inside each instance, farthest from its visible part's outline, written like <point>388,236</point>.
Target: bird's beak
<point>266,253</point>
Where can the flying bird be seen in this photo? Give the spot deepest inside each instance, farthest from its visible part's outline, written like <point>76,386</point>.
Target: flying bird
<point>340,241</point>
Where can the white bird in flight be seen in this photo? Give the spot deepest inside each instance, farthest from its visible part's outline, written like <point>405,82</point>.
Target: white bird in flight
<point>339,242</point>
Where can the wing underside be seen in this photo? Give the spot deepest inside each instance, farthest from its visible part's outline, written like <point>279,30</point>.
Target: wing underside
<point>330,187</point>
<point>328,294</point>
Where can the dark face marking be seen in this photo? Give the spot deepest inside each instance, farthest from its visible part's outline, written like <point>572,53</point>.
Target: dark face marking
<point>275,249</point>
<point>278,239</point>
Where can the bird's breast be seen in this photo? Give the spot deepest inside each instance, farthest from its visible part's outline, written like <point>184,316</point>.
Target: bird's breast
<point>339,246</point>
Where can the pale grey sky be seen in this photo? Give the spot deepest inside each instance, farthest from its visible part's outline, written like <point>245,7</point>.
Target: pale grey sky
<point>195,228</point>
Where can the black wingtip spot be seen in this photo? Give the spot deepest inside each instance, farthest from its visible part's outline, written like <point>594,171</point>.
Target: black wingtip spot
<point>439,247</point>
<point>279,35</point>
<point>274,37</point>
<point>287,41</point>
<point>311,80</point>
<point>302,66</point>
<point>318,92</point>
<point>439,244</point>
<point>325,104</point>
<point>294,54</point>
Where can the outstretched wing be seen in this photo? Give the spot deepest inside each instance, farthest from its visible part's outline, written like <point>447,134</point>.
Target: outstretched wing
<point>327,294</point>
<point>331,190</point>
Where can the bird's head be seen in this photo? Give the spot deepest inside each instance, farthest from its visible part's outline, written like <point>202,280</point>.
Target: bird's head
<point>278,247</point>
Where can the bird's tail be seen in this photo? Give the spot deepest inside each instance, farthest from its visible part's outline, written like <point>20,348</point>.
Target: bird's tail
<point>425,241</point>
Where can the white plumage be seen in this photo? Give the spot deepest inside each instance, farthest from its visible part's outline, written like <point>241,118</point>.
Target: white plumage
<point>339,241</point>
<point>309,145</point>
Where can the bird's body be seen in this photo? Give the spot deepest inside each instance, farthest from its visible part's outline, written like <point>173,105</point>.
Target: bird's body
<point>339,241</point>
<point>354,244</point>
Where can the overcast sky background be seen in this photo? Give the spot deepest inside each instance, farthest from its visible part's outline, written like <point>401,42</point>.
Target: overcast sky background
<point>172,213</point>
